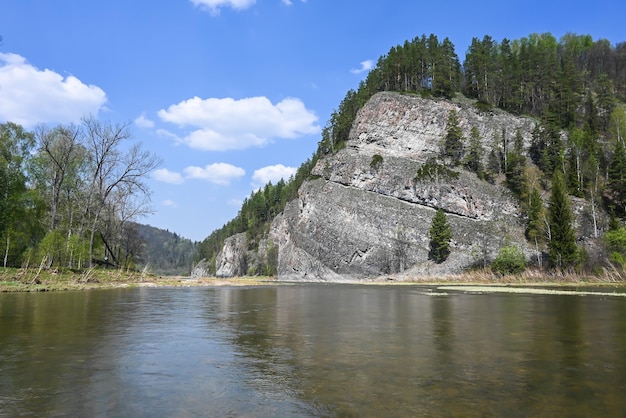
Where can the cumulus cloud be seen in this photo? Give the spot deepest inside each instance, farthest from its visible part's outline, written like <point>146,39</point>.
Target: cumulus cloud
<point>217,173</point>
<point>365,66</point>
<point>143,122</point>
<point>167,176</point>
<point>29,96</point>
<point>214,6</point>
<point>229,124</point>
<point>272,173</point>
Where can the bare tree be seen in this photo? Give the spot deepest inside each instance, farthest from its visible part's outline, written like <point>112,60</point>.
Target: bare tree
<point>60,154</point>
<point>114,173</point>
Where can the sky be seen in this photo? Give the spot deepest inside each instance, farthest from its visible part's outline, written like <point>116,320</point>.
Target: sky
<point>231,94</point>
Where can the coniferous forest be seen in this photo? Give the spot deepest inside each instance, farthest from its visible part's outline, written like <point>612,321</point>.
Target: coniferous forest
<point>575,87</point>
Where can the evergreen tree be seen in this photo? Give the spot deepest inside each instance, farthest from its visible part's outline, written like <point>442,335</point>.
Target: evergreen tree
<point>453,142</point>
<point>617,176</point>
<point>515,167</point>
<point>534,228</point>
<point>562,246</point>
<point>440,235</point>
<point>475,152</point>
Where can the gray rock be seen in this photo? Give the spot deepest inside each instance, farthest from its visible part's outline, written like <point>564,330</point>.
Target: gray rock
<point>362,217</point>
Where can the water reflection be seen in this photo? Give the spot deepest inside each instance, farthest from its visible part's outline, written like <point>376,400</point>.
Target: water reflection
<point>310,350</point>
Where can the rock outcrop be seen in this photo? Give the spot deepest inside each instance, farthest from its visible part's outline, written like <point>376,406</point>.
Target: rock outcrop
<point>364,213</point>
<point>364,217</point>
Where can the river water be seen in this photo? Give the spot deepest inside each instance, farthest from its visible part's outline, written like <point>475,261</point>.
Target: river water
<point>311,350</point>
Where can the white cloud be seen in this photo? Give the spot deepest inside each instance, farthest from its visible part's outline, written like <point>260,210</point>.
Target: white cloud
<point>29,96</point>
<point>214,5</point>
<point>169,203</point>
<point>272,173</point>
<point>365,66</point>
<point>217,173</point>
<point>143,122</point>
<point>167,134</point>
<point>167,176</point>
<point>229,124</point>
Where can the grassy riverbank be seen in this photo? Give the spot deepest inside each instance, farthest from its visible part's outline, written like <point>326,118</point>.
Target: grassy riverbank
<point>44,280</point>
<point>35,280</point>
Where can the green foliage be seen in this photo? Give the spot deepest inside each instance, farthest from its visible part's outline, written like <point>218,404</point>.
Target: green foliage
<point>510,260</point>
<point>562,246</point>
<point>257,213</point>
<point>440,236</point>
<point>475,152</point>
<point>453,141</point>
<point>163,252</point>
<point>541,76</point>
<point>514,171</point>
<point>615,241</point>
<point>534,228</point>
<point>434,171</point>
<point>269,265</point>
<point>617,177</point>
<point>15,147</point>
<point>377,162</point>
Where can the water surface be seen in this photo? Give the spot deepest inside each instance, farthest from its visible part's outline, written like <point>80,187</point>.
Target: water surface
<point>311,350</point>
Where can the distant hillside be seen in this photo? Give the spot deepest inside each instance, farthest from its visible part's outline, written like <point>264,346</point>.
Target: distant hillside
<point>164,252</point>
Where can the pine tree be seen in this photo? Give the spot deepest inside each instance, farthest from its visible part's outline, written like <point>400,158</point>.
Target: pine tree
<point>516,165</point>
<point>475,152</point>
<point>534,228</point>
<point>562,246</point>
<point>453,143</point>
<point>440,235</point>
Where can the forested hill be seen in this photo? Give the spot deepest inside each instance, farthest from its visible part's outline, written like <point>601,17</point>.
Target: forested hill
<point>164,252</point>
<point>575,87</point>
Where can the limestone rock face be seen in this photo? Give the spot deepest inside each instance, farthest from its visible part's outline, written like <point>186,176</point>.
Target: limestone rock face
<point>232,260</point>
<point>360,219</point>
<point>365,214</point>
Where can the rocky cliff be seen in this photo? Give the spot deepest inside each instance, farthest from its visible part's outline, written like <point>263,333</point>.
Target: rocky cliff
<point>365,214</point>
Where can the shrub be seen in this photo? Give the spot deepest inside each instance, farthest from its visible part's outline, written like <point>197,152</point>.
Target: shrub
<point>615,241</point>
<point>510,260</point>
<point>377,161</point>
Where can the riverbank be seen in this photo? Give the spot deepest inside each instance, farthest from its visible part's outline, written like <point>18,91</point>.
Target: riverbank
<point>47,280</point>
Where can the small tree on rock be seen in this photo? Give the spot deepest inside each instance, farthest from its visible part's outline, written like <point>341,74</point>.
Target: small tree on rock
<point>453,142</point>
<point>440,235</point>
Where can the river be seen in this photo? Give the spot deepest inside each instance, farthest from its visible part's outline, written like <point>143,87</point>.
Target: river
<point>310,351</point>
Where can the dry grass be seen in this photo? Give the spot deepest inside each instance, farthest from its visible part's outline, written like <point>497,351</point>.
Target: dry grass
<point>529,277</point>
<point>44,280</point>
<point>39,279</point>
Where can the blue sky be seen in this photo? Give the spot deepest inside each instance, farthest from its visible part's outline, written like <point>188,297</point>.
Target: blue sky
<point>233,93</point>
